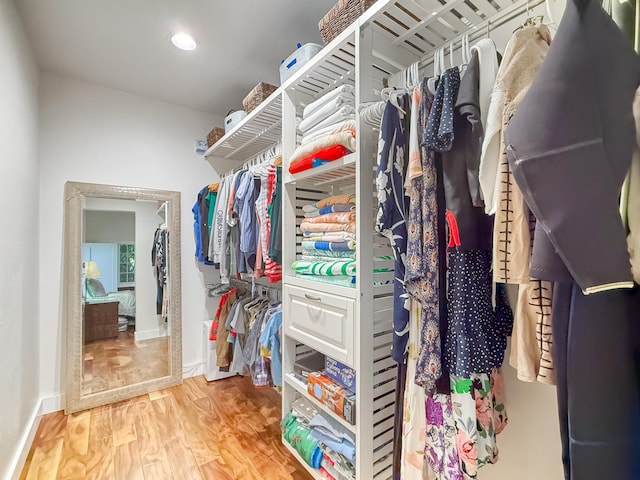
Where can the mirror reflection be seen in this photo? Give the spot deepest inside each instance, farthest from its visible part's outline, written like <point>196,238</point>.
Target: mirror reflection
<point>125,276</point>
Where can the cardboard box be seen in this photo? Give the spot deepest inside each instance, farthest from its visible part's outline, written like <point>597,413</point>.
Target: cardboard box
<point>339,372</point>
<point>333,395</point>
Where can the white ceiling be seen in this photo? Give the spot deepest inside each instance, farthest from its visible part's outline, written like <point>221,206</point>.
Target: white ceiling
<point>125,44</point>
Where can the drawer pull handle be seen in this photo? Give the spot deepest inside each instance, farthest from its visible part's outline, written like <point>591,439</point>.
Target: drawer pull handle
<point>308,296</point>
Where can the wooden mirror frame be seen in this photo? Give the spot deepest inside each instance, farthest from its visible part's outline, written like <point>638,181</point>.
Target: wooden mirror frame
<point>75,194</point>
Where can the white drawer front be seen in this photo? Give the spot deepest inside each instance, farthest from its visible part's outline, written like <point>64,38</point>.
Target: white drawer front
<point>322,321</point>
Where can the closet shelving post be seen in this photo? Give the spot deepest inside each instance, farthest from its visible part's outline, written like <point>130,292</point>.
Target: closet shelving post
<point>351,325</point>
<point>354,325</point>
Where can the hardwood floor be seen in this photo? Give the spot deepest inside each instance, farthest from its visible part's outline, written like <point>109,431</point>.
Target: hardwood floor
<point>120,361</point>
<point>225,430</point>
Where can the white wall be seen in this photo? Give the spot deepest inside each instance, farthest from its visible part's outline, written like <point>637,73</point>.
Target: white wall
<point>530,445</point>
<point>146,222</point>
<point>91,133</point>
<point>18,239</point>
<point>109,227</point>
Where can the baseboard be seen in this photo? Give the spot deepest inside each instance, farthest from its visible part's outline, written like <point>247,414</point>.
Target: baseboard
<point>53,403</point>
<point>15,468</point>
<point>149,334</point>
<point>192,370</point>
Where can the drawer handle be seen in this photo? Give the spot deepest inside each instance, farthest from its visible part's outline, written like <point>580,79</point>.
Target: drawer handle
<point>308,296</point>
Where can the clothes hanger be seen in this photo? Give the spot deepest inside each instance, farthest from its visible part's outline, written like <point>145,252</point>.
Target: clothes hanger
<point>531,21</point>
<point>464,51</point>
<point>391,95</point>
<point>433,81</point>
<point>451,62</point>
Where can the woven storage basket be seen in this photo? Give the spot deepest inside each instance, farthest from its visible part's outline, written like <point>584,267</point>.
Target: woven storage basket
<point>258,95</point>
<point>341,15</point>
<point>214,135</point>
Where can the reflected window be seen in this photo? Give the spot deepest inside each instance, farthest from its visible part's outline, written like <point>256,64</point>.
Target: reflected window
<point>127,264</point>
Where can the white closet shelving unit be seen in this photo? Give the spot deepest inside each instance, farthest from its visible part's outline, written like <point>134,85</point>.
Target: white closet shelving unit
<point>354,325</point>
<point>256,133</point>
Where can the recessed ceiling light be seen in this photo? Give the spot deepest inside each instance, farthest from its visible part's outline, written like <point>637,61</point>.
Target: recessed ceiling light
<point>183,41</point>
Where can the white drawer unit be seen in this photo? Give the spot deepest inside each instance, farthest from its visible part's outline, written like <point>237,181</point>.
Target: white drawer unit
<point>322,321</point>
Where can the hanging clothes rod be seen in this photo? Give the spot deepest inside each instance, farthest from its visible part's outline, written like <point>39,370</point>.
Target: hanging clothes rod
<point>484,28</point>
<point>268,154</point>
<point>275,293</point>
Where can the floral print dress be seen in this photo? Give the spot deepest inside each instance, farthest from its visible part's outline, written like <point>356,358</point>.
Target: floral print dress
<point>393,152</point>
<point>422,280</point>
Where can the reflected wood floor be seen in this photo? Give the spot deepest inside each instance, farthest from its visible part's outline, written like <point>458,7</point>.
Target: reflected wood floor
<point>120,361</point>
<point>225,430</point>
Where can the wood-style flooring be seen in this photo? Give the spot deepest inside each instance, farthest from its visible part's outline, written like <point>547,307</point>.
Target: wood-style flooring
<point>225,430</point>
<point>116,362</point>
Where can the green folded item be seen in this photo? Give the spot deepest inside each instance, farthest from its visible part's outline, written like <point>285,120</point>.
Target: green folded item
<point>299,437</point>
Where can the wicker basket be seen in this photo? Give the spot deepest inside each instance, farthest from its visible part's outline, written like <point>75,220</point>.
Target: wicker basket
<point>214,135</point>
<point>256,96</point>
<point>341,15</point>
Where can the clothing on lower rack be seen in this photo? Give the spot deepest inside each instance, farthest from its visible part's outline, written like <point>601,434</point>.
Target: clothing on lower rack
<point>247,334</point>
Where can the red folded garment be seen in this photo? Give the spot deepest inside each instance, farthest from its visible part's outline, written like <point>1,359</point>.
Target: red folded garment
<point>329,153</point>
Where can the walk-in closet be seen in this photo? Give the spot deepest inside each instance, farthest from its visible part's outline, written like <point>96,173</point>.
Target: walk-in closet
<point>394,240</point>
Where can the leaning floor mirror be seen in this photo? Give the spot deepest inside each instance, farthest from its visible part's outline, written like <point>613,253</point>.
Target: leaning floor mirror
<point>122,301</point>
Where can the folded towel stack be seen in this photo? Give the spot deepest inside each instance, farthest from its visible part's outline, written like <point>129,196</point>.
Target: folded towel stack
<point>328,130</point>
<point>329,240</point>
<point>329,243</point>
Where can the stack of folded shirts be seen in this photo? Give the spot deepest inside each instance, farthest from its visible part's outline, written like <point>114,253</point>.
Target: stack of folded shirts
<point>329,239</point>
<point>334,438</point>
<point>336,466</point>
<point>329,243</point>
<point>329,228</point>
<point>328,130</point>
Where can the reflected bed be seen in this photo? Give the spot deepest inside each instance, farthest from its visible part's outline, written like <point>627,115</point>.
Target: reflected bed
<point>126,299</point>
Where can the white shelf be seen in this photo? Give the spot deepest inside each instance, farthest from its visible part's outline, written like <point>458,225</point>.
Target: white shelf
<point>292,381</point>
<point>333,66</point>
<point>314,472</point>
<point>258,131</point>
<point>422,27</point>
<point>338,174</point>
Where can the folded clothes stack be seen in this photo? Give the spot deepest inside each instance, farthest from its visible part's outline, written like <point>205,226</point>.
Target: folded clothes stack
<point>329,243</point>
<point>337,445</point>
<point>336,466</point>
<point>299,437</point>
<point>328,130</point>
<point>320,440</point>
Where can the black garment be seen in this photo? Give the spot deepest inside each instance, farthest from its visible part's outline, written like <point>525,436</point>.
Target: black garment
<point>598,397</point>
<point>477,334</point>
<point>461,166</point>
<point>570,146</point>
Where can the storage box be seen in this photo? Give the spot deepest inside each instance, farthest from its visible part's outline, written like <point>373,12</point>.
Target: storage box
<point>331,394</point>
<point>312,362</point>
<point>297,59</point>
<point>341,15</point>
<point>257,95</point>
<point>214,135</point>
<point>233,119</point>
<point>339,372</point>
